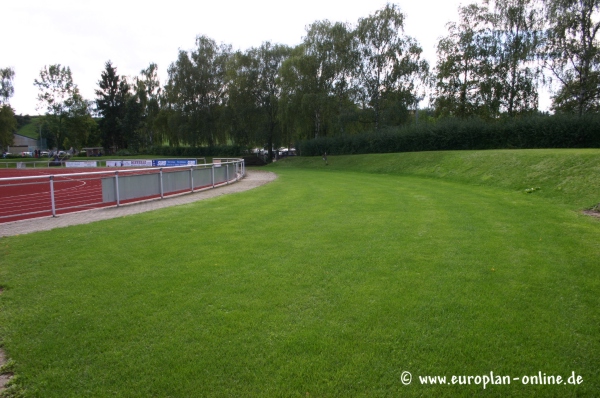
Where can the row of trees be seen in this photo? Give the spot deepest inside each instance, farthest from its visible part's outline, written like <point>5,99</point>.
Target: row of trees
<point>494,58</point>
<point>339,80</point>
<point>8,122</point>
<point>343,79</point>
<point>129,111</point>
<point>68,121</point>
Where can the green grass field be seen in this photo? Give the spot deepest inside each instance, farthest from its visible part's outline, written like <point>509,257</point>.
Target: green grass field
<point>329,282</point>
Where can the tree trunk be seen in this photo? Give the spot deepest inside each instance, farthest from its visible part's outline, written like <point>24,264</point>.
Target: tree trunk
<point>317,122</point>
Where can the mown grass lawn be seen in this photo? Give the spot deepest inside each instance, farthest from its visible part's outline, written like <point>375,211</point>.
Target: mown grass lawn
<point>319,284</point>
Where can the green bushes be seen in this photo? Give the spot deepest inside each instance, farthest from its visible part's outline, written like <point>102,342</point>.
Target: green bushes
<point>556,131</point>
<point>125,152</point>
<point>217,150</point>
<point>178,151</point>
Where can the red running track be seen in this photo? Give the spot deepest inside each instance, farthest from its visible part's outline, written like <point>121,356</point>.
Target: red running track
<point>29,197</point>
<point>27,192</point>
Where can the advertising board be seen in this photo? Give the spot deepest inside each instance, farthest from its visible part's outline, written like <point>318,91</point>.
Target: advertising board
<point>88,163</point>
<point>173,162</point>
<point>129,163</point>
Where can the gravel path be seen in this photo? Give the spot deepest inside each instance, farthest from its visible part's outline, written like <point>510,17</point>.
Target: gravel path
<point>253,179</point>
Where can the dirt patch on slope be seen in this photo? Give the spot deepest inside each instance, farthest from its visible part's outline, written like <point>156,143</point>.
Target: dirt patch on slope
<point>4,378</point>
<point>592,213</point>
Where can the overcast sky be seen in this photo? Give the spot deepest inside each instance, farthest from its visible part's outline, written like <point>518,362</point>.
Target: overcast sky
<point>84,35</point>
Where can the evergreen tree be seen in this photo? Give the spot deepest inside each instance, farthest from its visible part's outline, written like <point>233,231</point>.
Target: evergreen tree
<point>111,100</point>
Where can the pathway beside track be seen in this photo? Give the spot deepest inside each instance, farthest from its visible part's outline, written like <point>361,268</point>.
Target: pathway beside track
<point>253,179</point>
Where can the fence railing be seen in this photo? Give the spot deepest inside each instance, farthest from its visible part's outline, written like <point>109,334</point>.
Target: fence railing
<point>55,193</point>
<point>64,162</point>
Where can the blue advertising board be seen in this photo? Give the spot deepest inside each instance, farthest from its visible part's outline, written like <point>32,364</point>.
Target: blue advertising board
<point>173,162</point>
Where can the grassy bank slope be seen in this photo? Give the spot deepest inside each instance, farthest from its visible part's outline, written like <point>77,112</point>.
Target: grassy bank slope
<point>570,176</point>
<point>31,129</point>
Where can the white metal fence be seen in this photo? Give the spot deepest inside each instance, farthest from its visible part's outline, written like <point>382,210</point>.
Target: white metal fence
<point>53,193</point>
<point>26,163</point>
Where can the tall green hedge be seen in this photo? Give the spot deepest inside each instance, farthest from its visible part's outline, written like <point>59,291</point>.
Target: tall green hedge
<point>555,131</point>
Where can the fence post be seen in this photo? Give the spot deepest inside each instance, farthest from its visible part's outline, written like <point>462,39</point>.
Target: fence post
<point>161,184</point>
<point>227,172</point>
<point>192,177</point>
<point>117,187</point>
<point>213,175</point>
<point>52,196</point>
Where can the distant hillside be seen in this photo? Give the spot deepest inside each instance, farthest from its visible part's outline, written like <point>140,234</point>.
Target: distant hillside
<point>30,127</point>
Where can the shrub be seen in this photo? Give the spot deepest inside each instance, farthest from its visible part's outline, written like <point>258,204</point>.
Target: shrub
<point>125,152</point>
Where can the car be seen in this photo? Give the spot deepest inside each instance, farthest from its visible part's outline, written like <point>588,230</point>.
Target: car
<point>26,154</point>
<point>44,153</point>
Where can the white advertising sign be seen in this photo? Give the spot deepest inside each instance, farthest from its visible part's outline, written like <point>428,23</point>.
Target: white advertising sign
<point>129,163</point>
<point>81,164</point>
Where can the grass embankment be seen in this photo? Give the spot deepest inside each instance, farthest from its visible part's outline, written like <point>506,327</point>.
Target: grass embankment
<point>569,176</point>
<point>318,284</point>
